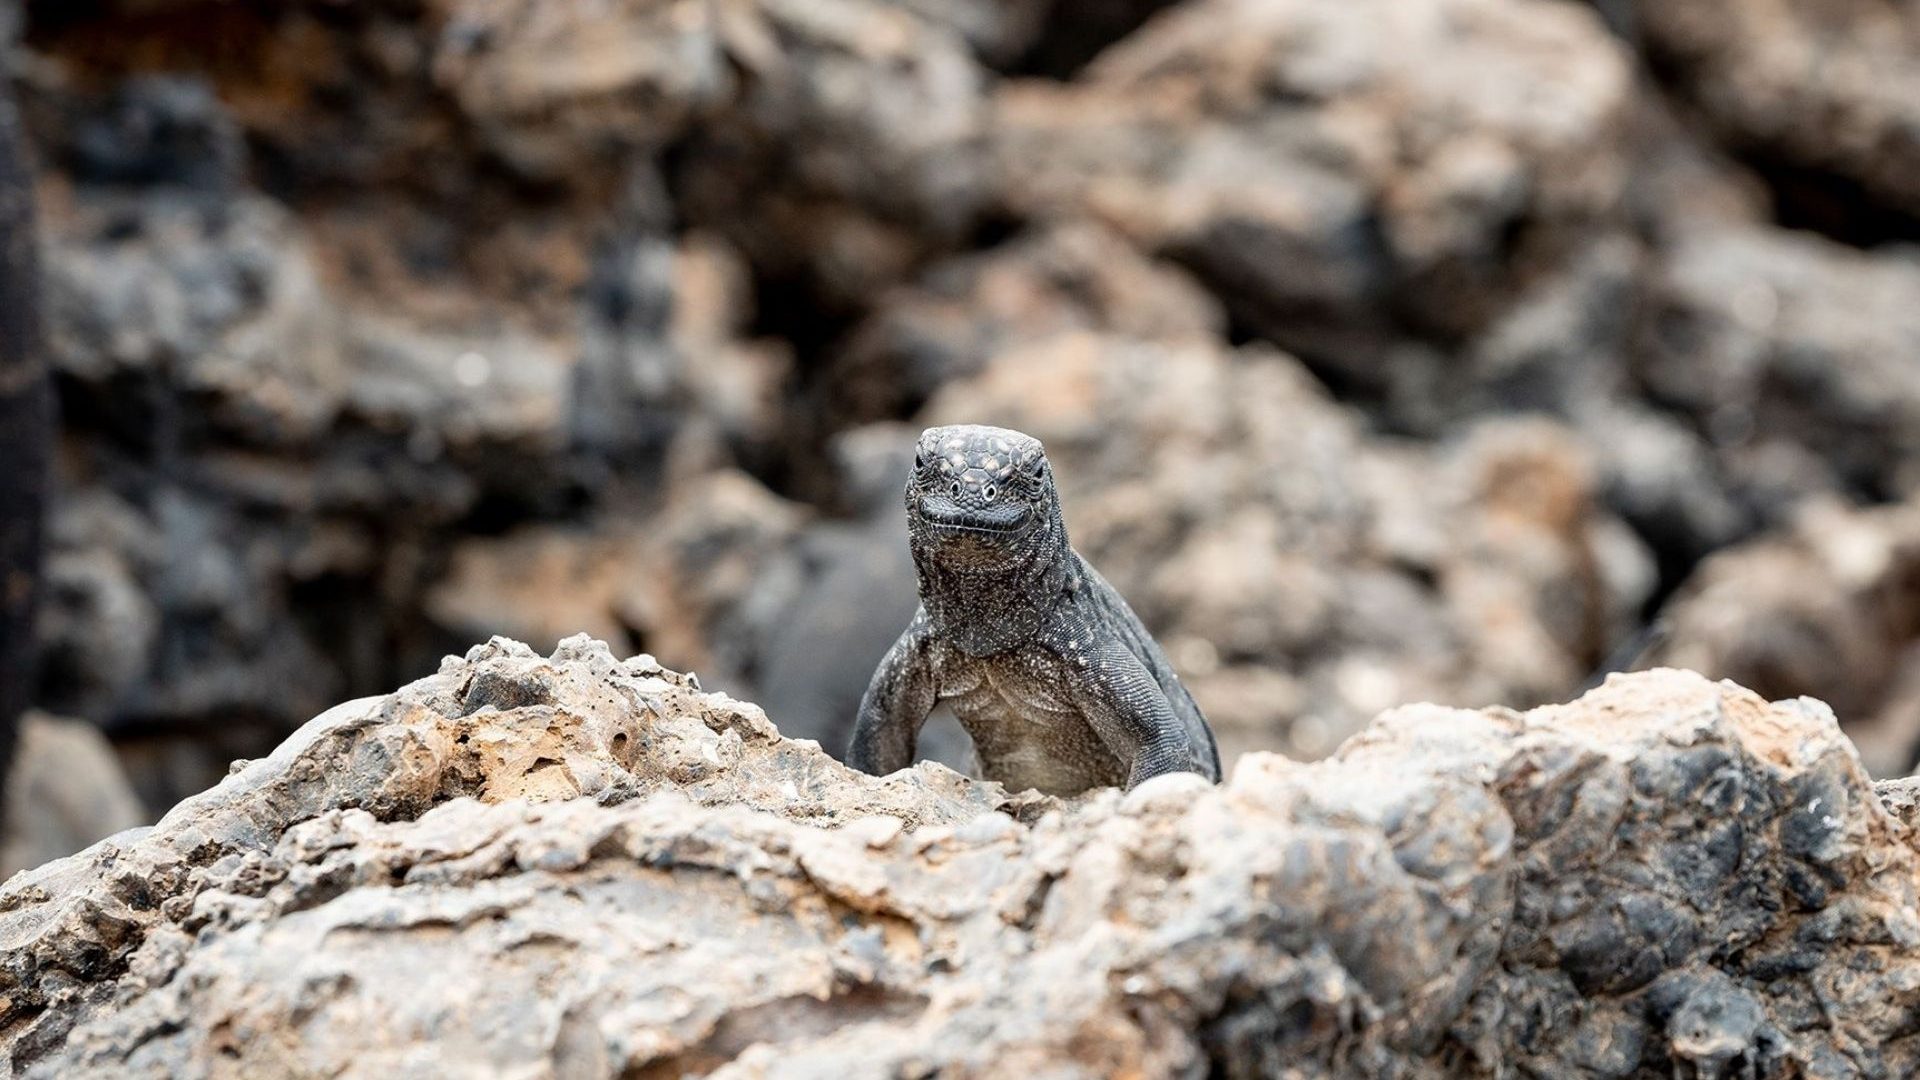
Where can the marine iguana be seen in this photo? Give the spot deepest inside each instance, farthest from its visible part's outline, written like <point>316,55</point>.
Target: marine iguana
<point>1041,660</point>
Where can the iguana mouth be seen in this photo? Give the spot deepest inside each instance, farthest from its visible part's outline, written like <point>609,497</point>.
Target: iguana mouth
<point>998,519</point>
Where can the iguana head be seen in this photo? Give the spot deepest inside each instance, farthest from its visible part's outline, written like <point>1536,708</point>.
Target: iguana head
<point>982,498</point>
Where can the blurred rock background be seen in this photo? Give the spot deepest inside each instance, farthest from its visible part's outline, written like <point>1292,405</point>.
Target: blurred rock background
<point>1389,350</point>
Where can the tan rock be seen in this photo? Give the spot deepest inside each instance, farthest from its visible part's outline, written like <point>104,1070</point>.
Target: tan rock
<point>1683,874</point>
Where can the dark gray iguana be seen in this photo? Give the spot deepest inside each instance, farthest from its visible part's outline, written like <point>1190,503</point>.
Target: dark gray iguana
<point>1041,660</point>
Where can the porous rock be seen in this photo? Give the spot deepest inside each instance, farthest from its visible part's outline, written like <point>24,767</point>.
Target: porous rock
<point>65,789</point>
<point>1825,607</point>
<point>381,327</point>
<point>1827,89</point>
<point>1789,351</point>
<point>574,865</point>
<point>1331,192</point>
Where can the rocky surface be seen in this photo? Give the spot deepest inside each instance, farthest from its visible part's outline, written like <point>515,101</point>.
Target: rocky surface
<point>65,789</point>
<point>573,865</point>
<point>1791,352</point>
<point>1829,609</point>
<point>1337,196</point>
<point>1825,93</point>
<point>382,327</point>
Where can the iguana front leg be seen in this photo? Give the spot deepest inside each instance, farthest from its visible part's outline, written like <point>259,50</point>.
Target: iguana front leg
<point>898,699</point>
<point>1130,713</point>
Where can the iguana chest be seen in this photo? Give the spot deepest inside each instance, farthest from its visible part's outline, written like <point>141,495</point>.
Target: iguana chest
<point>1028,728</point>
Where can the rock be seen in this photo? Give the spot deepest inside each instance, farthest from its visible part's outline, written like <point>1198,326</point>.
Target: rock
<point>700,581</point>
<point>102,627</point>
<point>382,327</point>
<point>1824,607</point>
<point>166,130</point>
<point>545,85</point>
<point>221,302</point>
<point>539,585</point>
<point>1338,175</point>
<point>856,591</point>
<point>27,425</point>
<point>1828,91</point>
<point>66,790</point>
<point>959,313</point>
<point>585,866</point>
<point>1786,349</point>
<point>260,450</point>
<point>728,577</point>
<point>853,149</point>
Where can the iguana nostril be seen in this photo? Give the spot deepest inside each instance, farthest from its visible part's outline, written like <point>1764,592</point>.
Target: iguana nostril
<point>956,489</point>
<point>988,491</point>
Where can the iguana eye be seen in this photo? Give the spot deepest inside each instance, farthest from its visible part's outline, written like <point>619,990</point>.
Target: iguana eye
<point>1038,468</point>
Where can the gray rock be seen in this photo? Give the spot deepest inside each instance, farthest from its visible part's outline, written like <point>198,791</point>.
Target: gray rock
<point>959,313</point>
<point>1791,353</point>
<point>1824,608</point>
<point>472,316</point>
<point>583,866</point>
<point>1830,90</point>
<point>259,452</point>
<point>66,789</point>
<point>1339,175</point>
<point>815,657</point>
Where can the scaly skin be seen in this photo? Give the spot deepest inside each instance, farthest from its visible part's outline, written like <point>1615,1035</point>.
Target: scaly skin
<point>1041,660</point>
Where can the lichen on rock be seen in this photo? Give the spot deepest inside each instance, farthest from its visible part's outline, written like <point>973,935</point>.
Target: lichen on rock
<point>581,866</point>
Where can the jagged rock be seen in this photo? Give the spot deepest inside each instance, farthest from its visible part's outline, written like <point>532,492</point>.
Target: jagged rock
<point>702,581</point>
<point>65,790</point>
<point>380,327</point>
<point>221,302</point>
<point>856,591</point>
<point>258,452</point>
<point>959,313</point>
<point>582,866</point>
<point>1561,350</point>
<point>1825,608</point>
<point>1832,89</point>
<point>834,139</point>
<point>738,583</point>
<point>546,84</point>
<point>1789,351</point>
<point>1340,175</point>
